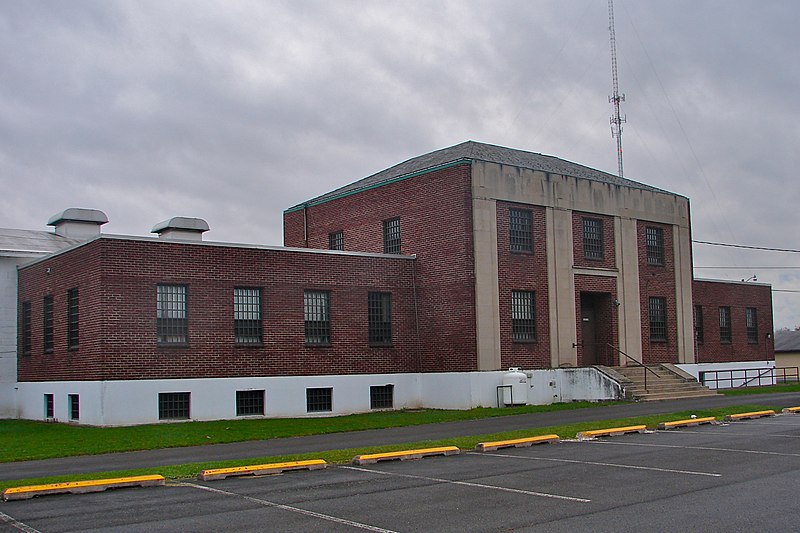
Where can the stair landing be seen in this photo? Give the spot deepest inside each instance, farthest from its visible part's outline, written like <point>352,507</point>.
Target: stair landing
<point>662,384</point>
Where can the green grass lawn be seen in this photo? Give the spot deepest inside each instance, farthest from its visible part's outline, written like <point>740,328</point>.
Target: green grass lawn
<point>789,387</point>
<point>343,456</point>
<point>24,440</point>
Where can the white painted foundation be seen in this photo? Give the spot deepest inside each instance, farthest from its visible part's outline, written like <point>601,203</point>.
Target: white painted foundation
<point>117,403</point>
<point>730,375</point>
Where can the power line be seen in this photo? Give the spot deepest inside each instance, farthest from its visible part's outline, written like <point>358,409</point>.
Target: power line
<point>766,248</point>
<point>728,267</point>
<point>785,290</point>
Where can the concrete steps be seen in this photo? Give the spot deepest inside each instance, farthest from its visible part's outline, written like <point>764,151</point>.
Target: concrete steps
<point>663,383</point>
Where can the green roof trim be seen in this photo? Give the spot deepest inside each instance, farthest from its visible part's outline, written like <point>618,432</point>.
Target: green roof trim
<point>350,192</point>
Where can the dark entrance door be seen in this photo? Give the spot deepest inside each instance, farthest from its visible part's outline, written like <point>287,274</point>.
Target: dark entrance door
<point>595,333</point>
<point>588,330</point>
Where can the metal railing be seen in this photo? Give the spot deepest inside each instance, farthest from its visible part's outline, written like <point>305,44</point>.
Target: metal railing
<point>635,363</point>
<point>749,377</point>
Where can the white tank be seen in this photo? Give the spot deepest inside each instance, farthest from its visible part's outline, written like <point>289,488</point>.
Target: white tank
<point>515,387</point>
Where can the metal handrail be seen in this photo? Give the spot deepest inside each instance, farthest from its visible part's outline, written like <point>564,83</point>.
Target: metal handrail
<point>758,377</point>
<point>636,363</point>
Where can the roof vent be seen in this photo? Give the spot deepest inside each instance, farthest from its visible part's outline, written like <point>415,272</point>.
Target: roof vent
<point>181,229</point>
<point>76,223</point>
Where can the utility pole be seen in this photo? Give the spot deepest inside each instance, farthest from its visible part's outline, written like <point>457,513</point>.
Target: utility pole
<point>616,119</point>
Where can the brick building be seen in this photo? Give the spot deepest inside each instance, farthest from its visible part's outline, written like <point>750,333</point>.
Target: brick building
<point>457,264</point>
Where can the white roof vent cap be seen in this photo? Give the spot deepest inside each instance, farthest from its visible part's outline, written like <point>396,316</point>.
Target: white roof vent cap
<point>77,223</point>
<point>181,229</point>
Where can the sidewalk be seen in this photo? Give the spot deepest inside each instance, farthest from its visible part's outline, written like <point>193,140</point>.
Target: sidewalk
<point>375,437</point>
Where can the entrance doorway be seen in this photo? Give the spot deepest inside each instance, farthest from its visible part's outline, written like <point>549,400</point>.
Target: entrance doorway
<point>596,329</point>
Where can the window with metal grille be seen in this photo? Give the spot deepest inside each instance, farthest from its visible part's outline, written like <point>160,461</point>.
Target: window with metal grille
<point>173,405</point>
<point>336,240</point>
<point>25,329</point>
<point>391,236</point>
<point>699,331</point>
<point>247,315</point>
<point>249,402</point>
<point>319,399</point>
<point>654,238</point>
<point>381,397</point>
<point>380,318</point>
<point>751,318</point>
<point>74,406</point>
<point>523,316</point>
<point>172,324</point>
<point>658,319</point>
<point>592,238</point>
<point>520,230</point>
<point>316,308</point>
<point>49,406</point>
<point>47,324</point>
<point>725,333</point>
<point>72,318</point>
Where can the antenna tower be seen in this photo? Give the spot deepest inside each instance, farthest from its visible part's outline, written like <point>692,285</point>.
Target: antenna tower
<point>616,119</point>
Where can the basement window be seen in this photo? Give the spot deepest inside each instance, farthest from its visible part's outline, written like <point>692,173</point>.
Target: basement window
<point>249,402</point>
<point>319,400</point>
<point>173,405</point>
<point>74,406</point>
<point>49,406</point>
<point>381,397</point>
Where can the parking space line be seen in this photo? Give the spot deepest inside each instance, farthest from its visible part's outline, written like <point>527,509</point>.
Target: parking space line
<point>17,524</point>
<point>734,433</point>
<point>470,484</point>
<point>298,510</point>
<point>706,448</point>
<point>596,463</point>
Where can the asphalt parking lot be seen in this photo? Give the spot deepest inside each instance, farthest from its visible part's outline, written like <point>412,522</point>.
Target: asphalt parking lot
<point>741,476</point>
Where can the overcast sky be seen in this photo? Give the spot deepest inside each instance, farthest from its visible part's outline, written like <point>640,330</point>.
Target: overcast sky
<point>233,111</point>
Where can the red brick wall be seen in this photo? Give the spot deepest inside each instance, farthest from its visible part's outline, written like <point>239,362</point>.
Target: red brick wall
<point>523,271</point>
<point>657,281</point>
<point>117,282</point>
<point>738,296</point>
<point>609,250</point>
<point>435,211</point>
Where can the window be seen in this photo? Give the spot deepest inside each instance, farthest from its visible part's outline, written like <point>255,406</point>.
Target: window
<point>316,308</point>
<point>247,315</point>
<point>74,406</point>
<point>336,240</point>
<point>658,319</point>
<point>72,319</point>
<point>49,406</point>
<point>391,236</point>
<point>380,318</point>
<point>249,402</point>
<point>523,316</point>
<point>751,317</point>
<point>47,324</point>
<point>381,397</point>
<point>172,324</point>
<point>26,328</point>
<point>655,245</point>
<point>318,400</point>
<point>699,332</point>
<point>725,333</point>
<point>173,405</point>
<point>520,230</point>
<point>592,238</point>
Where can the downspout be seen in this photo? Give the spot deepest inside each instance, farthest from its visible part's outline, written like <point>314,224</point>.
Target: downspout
<point>416,311</point>
<point>305,224</point>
